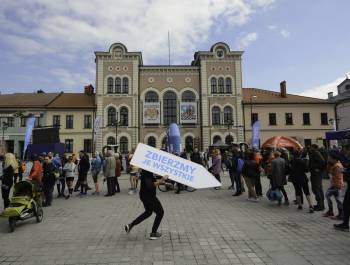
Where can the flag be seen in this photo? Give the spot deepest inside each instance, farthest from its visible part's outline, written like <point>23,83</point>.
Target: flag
<point>256,134</point>
<point>29,129</point>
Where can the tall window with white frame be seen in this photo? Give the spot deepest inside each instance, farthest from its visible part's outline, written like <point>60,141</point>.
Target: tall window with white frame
<point>228,115</point>
<point>69,145</point>
<point>125,85</point>
<point>124,116</point>
<point>118,85</point>
<point>110,85</point>
<point>221,84</point>
<point>87,122</point>
<point>69,121</point>
<point>151,141</point>
<point>216,117</point>
<point>169,107</point>
<point>56,120</point>
<point>123,142</point>
<point>151,96</point>
<point>214,86</point>
<point>228,83</point>
<point>111,116</point>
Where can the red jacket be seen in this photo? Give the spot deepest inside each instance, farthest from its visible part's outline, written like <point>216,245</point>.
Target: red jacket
<point>36,173</point>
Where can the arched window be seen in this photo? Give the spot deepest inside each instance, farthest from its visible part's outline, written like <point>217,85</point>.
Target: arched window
<point>111,116</point>
<point>215,112</point>
<point>164,143</point>
<point>214,86</point>
<point>151,141</point>
<point>151,96</point>
<point>110,85</point>
<point>189,143</point>
<point>188,96</point>
<point>229,139</point>
<point>123,142</point>
<point>169,107</point>
<point>125,85</point>
<point>124,116</point>
<point>221,83</point>
<point>110,140</point>
<point>228,85</point>
<point>217,139</point>
<point>228,117</point>
<point>118,85</point>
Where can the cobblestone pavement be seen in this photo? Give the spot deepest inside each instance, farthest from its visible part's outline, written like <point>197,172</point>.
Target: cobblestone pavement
<point>203,227</point>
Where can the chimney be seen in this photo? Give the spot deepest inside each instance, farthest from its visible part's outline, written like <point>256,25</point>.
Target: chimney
<point>283,87</point>
<point>330,95</point>
<point>89,90</point>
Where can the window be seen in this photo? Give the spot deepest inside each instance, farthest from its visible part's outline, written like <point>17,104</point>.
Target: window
<point>125,85</point>
<point>306,118</point>
<point>56,120</point>
<point>228,117</point>
<point>151,96</point>
<point>111,116</point>
<point>123,116</point>
<point>10,122</point>
<point>189,143</point>
<point>164,143</point>
<point>123,145</point>
<point>228,85</point>
<point>110,85</point>
<point>217,139</point>
<point>289,118</point>
<point>215,112</point>
<point>272,119</point>
<point>69,121</point>
<point>151,141</point>
<point>188,96</point>
<point>324,118</point>
<point>23,122</point>
<point>169,107</point>
<point>254,117</point>
<point>37,122</point>
<point>118,85</point>
<point>307,142</point>
<point>214,86</point>
<point>87,122</point>
<point>87,145</point>
<point>69,145</point>
<point>221,83</point>
<point>229,139</point>
<point>110,140</point>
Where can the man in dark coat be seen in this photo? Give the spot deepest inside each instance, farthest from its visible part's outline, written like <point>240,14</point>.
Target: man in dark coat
<point>317,167</point>
<point>83,169</point>
<point>48,180</point>
<point>278,174</point>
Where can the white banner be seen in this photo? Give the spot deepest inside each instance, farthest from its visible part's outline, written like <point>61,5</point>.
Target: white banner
<point>151,112</point>
<point>188,112</point>
<point>97,124</point>
<point>178,169</point>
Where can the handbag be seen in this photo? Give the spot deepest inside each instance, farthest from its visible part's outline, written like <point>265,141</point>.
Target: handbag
<point>274,194</point>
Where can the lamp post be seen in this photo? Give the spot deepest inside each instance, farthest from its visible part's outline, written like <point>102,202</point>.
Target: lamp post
<point>251,109</point>
<point>4,128</point>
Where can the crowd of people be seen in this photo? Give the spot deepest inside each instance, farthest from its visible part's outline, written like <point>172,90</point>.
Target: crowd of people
<point>245,169</point>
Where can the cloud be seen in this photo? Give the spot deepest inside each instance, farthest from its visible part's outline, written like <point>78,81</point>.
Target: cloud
<point>285,34</point>
<point>322,90</point>
<point>70,79</point>
<point>246,40</point>
<point>67,32</point>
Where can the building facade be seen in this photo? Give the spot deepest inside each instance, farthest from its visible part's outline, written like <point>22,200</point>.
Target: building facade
<point>342,103</point>
<point>303,118</point>
<point>137,102</point>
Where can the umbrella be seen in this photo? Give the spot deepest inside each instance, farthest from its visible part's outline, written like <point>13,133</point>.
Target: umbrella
<point>282,141</point>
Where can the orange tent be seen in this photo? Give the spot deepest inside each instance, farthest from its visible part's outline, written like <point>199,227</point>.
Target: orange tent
<point>282,141</point>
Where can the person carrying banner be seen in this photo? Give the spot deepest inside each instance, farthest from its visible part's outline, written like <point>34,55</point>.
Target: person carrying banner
<point>150,202</point>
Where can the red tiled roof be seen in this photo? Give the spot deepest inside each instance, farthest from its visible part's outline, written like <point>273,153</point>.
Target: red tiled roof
<point>73,100</point>
<point>21,100</point>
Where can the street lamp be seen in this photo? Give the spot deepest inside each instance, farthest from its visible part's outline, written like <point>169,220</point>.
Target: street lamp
<point>5,125</point>
<point>251,108</point>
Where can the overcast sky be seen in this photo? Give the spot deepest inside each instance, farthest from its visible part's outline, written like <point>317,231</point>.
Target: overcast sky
<point>50,45</point>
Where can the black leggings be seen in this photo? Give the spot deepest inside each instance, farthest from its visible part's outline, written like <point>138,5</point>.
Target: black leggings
<point>151,205</point>
<point>346,207</point>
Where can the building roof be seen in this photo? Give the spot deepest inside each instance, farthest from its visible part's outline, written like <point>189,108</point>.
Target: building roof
<point>267,96</point>
<point>25,100</point>
<point>73,100</point>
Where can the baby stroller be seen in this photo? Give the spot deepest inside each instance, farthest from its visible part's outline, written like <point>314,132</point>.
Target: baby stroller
<point>25,203</point>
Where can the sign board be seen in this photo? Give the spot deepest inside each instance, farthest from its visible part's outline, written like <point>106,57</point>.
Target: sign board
<point>178,169</point>
<point>256,134</point>
<point>188,112</point>
<point>151,112</point>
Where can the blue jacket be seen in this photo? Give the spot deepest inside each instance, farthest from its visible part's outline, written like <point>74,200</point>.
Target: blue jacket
<point>96,164</point>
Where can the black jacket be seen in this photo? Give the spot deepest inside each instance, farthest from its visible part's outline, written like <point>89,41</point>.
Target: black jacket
<point>84,165</point>
<point>196,158</point>
<point>7,178</point>
<point>317,162</point>
<point>298,170</point>
<point>251,169</point>
<point>147,189</point>
<point>48,176</point>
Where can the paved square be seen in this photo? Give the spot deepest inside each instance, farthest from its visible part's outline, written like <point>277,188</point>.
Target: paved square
<point>203,227</point>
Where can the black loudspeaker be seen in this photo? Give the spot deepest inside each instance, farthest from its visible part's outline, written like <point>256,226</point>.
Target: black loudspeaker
<point>46,136</point>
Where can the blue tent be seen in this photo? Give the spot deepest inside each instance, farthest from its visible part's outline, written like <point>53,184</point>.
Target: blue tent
<point>338,135</point>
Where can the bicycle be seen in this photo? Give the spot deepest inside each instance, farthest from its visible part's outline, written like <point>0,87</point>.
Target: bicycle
<point>172,185</point>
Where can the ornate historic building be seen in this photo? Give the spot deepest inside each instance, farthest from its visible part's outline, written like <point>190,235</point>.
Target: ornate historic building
<point>137,102</point>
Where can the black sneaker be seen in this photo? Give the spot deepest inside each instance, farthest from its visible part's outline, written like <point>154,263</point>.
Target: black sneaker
<point>127,228</point>
<point>300,207</point>
<point>341,227</point>
<point>155,236</point>
<point>318,208</point>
